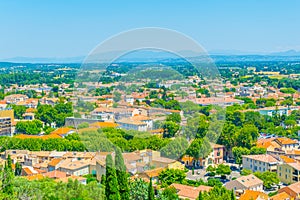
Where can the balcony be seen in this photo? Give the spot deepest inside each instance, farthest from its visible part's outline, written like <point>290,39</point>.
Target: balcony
<point>295,173</point>
<point>295,179</point>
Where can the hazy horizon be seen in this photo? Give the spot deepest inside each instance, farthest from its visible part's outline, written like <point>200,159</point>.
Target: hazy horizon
<point>47,29</point>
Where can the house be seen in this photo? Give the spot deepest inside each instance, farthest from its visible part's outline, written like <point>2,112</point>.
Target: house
<point>249,182</point>
<point>55,174</point>
<point>261,163</point>
<point>205,101</point>
<point>189,192</point>
<point>129,124</point>
<point>54,164</point>
<point>6,122</point>
<point>104,114</point>
<point>167,163</point>
<point>28,171</point>
<point>15,98</point>
<point>214,158</point>
<point>153,174</point>
<point>289,172</point>
<point>131,160</point>
<point>100,158</point>
<point>145,119</point>
<point>287,144</point>
<point>254,195</point>
<point>269,144</point>
<point>281,110</point>
<point>75,167</point>
<point>281,196</point>
<point>292,190</point>
<point>63,131</point>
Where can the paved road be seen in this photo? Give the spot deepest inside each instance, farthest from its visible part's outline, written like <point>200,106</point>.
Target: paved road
<point>199,174</point>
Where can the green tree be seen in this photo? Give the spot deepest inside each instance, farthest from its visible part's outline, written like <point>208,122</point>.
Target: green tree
<point>200,196</point>
<point>111,184</point>
<point>257,150</point>
<point>46,113</point>
<point>218,192</point>
<point>18,111</point>
<point>246,172</point>
<point>175,149</point>
<point>18,169</point>
<point>199,148</point>
<point>121,175</point>
<point>83,125</point>
<point>247,136</point>
<point>8,176</point>
<point>33,127</point>
<point>117,96</point>
<point>169,193</point>
<point>150,191</point>
<point>238,152</point>
<point>174,117</point>
<point>138,189</point>
<point>169,176</point>
<point>170,128</point>
<point>269,178</point>
<point>223,169</point>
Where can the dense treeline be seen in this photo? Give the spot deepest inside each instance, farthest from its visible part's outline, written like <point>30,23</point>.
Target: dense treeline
<point>36,144</point>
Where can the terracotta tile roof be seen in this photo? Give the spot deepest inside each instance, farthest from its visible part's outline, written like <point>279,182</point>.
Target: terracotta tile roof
<point>55,174</point>
<point>62,131</point>
<point>286,159</point>
<point>140,118</point>
<point>31,110</point>
<point>153,172</point>
<point>255,195</point>
<point>29,171</point>
<point>295,187</point>
<point>163,160</point>
<point>285,141</point>
<point>104,125</point>
<point>294,165</point>
<point>54,162</point>
<point>130,121</point>
<point>266,143</point>
<point>74,164</point>
<point>248,181</point>
<point>263,158</point>
<point>35,177</point>
<point>185,191</point>
<point>281,196</point>
<point>131,156</point>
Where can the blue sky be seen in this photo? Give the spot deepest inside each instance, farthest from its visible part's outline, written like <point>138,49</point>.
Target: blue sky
<point>56,28</point>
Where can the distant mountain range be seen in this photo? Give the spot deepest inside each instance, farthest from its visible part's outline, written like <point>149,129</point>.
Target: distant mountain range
<point>152,56</point>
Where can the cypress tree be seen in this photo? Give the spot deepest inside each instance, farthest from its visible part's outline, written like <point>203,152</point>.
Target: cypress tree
<point>233,195</point>
<point>122,175</point>
<point>150,191</point>
<point>18,169</point>
<point>200,196</point>
<point>103,179</point>
<point>111,182</point>
<point>8,177</point>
